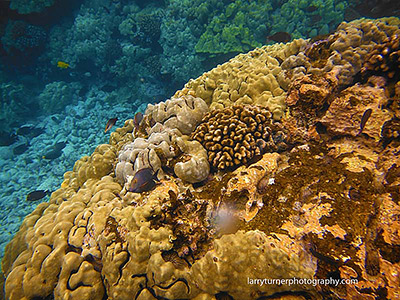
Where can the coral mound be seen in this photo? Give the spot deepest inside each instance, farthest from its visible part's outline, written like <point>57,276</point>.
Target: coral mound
<point>252,78</point>
<point>321,205</point>
<point>234,135</point>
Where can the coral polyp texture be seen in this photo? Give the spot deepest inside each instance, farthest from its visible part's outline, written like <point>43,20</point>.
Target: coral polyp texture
<point>252,78</point>
<point>344,51</point>
<point>306,189</point>
<point>384,58</point>
<point>234,135</point>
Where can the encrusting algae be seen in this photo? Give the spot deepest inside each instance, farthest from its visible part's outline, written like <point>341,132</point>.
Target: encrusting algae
<point>317,196</point>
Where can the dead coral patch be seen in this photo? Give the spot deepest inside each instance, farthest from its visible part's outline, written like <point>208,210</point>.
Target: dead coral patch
<point>187,216</point>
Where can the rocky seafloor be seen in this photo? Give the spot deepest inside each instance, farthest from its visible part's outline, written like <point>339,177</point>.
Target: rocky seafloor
<point>281,163</point>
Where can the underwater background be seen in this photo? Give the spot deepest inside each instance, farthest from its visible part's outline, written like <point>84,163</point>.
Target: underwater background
<point>68,67</point>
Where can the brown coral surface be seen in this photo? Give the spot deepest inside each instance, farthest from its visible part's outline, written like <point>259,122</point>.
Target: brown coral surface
<point>234,135</point>
<point>317,220</point>
<point>384,58</point>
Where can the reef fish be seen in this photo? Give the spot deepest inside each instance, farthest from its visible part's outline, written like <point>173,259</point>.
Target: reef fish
<point>110,124</point>
<point>137,119</point>
<point>7,138</point>
<point>21,148</point>
<point>29,131</point>
<point>280,37</point>
<point>311,8</point>
<point>315,19</point>
<point>62,65</point>
<point>143,181</point>
<point>364,119</point>
<point>55,151</point>
<point>37,195</point>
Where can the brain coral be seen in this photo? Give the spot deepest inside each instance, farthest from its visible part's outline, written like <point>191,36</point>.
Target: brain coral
<point>164,143</point>
<point>234,135</point>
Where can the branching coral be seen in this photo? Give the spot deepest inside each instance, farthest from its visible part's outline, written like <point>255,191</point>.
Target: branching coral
<point>234,135</point>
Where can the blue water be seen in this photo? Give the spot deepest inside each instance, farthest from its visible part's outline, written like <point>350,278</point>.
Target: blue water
<point>67,69</point>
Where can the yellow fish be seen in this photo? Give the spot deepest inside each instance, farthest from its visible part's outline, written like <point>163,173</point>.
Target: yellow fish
<point>62,65</point>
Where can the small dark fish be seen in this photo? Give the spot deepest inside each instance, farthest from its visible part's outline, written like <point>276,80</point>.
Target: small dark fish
<point>20,149</point>
<point>6,138</point>
<point>37,195</point>
<point>173,257</point>
<point>264,183</point>
<point>315,19</point>
<point>137,119</point>
<point>24,130</point>
<point>55,151</point>
<point>364,119</point>
<point>143,181</point>
<point>59,146</point>
<point>110,124</point>
<point>280,37</point>
<point>29,131</point>
<point>311,8</point>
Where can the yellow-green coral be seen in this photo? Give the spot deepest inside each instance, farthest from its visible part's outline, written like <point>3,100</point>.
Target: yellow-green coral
<point>252,78</point>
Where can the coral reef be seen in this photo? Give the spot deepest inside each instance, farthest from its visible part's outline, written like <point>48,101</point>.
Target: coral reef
<point>17,103</point>
<point>344,116</point>
<point>87,42</point>
<point>99,164</point>
<point>234,30</point>
<point>252,78</point>
<point>23,41</point>
<point>28,6</point>
<point>309,94</point>
<point>57,95</point>
<point>234,135</point>
<point>324,208</point>
<point>308,18</point>
<point>178,113</point>
<point>384,58</point>
<point>342,53</point>
<point>164,142</point>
